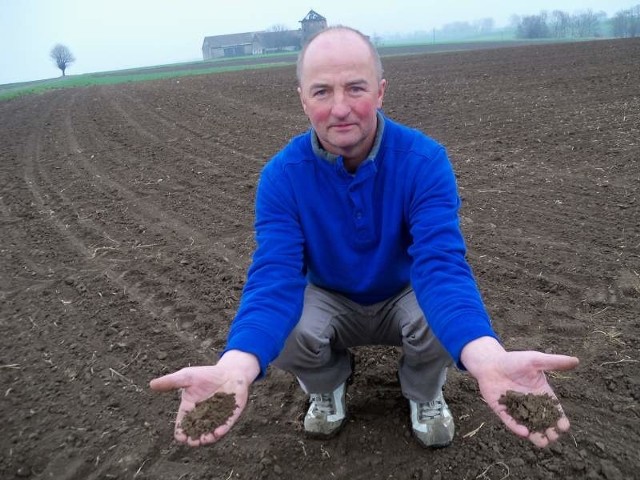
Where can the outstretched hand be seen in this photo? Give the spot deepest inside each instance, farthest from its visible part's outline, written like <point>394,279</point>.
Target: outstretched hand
<point>498,371</point>
<point>233,374</point>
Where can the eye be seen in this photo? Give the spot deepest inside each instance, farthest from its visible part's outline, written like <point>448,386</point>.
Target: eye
<point>319,93</point>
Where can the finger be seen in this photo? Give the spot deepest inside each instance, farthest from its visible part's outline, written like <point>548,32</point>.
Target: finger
<point>563,424</point>
<point>184,408</point>
<point>539,439</point>
<point>221,431</point>
<point>207,438</point>
<point>193,443</point>
<point>179,435</point>
<point>556,362</point>
<point>170,382</point>
<point>552,434</point>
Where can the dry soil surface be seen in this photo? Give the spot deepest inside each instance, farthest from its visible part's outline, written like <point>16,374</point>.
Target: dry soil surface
<point>126,216</point>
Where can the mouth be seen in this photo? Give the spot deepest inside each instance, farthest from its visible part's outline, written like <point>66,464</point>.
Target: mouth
<point>342,126</point>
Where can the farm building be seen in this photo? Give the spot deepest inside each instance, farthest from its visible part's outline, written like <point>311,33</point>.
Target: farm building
<point>313,22</point>
<point>256,43</point>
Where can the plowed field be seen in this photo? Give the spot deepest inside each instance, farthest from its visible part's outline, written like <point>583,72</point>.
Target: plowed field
<point>126,220</point>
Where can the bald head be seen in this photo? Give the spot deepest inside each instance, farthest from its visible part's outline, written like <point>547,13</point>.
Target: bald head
<point>339,34</point>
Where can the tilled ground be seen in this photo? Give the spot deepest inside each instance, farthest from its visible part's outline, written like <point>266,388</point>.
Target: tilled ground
<point>126,216</point>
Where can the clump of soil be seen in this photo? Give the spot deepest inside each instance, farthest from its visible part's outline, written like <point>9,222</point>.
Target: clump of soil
<point>536,412</point>
<point>209,415</point>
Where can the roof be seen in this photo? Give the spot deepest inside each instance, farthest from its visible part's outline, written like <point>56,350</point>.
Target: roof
<point>313,16</point>
<point>221,41</point>
<point>279,39</point>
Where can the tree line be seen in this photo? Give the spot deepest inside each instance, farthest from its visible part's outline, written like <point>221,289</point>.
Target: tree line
<point>587,24</point>
<point>626,23</point>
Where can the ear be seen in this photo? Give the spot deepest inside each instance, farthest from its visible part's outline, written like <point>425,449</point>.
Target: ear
<point>382,87</point>
<point>304,105</point>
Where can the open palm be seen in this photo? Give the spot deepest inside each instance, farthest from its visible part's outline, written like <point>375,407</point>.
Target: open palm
<point>524,372</point>
<point>198,384</point>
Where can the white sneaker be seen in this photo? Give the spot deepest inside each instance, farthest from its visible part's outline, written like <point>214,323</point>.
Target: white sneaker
<point>327,413</point>
<point>432,422</point>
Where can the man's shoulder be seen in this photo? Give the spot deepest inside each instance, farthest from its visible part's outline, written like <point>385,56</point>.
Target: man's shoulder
<point>297,150</point>
<point>403,138</point>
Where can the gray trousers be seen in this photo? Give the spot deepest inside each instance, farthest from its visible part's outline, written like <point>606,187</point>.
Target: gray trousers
<point>316,351</point>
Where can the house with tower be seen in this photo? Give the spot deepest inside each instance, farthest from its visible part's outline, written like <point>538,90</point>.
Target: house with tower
<point>257,43</point>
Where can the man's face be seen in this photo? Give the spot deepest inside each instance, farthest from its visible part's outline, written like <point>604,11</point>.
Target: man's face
<point>340,93</point>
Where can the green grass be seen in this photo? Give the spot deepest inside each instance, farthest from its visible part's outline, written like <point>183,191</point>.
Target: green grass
<point>123,76</point>
<point>426,38</point>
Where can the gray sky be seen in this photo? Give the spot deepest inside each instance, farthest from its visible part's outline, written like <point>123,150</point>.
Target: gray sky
<point>115,34</point>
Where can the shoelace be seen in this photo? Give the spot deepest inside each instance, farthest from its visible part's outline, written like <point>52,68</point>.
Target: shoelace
<point>323,402</point>
<point>430,410</point>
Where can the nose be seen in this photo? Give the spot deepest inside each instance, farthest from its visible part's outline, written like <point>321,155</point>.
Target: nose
<point>341,107</point>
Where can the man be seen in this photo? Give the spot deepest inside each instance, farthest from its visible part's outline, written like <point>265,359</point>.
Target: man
<point>358,242</point>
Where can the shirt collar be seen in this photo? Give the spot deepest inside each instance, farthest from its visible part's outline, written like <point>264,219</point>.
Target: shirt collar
<point>330,157</point>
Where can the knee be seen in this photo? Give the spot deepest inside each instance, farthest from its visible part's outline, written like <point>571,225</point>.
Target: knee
<point>303,347</point>
<point>306,342</point>
<point>415,330</point>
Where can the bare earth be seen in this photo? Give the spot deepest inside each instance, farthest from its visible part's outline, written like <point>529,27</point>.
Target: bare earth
<point>126,216</point>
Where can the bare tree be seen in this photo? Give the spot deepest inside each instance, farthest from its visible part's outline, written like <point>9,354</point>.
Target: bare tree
<point>62,57</point>
<point>277,27</point>
<point>585,24</point>
<point>533,26</point>
<point>484,25</point>
<point>626,23</point>
<point>560,23</point>
<point>514,21</point>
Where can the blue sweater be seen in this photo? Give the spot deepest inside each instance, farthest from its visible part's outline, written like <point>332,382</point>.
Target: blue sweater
<point>365,235</point>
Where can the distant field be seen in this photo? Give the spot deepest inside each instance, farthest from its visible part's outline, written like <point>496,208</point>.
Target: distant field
<point>12,90</point>
<point>125,76</point>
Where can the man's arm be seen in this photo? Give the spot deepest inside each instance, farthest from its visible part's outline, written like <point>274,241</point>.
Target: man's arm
<point>270,306</point>
<point>440,274</point>
<point>449,295</point>
<point>273,295</point>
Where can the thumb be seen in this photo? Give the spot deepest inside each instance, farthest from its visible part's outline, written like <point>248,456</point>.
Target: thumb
<point>556,362</point>
<point>170,382</point>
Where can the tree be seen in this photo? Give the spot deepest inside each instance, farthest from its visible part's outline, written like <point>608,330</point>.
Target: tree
<point>514,21</point>
<point>62,57</point>
<point>485,25</point>
<point>533,26</point>
<point>585,24</point>
<point>278,27</point>
<point>626,23</point>
<point>560,23</point>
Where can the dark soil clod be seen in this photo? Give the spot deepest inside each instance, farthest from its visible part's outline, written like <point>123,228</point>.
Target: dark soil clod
<point>536,412</point>
<point>209,415</point>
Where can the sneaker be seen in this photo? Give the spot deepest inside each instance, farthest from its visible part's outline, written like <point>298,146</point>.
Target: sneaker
<point>432,422</point>
<point>327,413</point>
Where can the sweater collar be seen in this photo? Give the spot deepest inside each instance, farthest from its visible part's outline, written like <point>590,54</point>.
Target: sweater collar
<point>319,151</point>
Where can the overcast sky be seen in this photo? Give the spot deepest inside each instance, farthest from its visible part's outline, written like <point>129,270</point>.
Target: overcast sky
<point>115,34</point>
